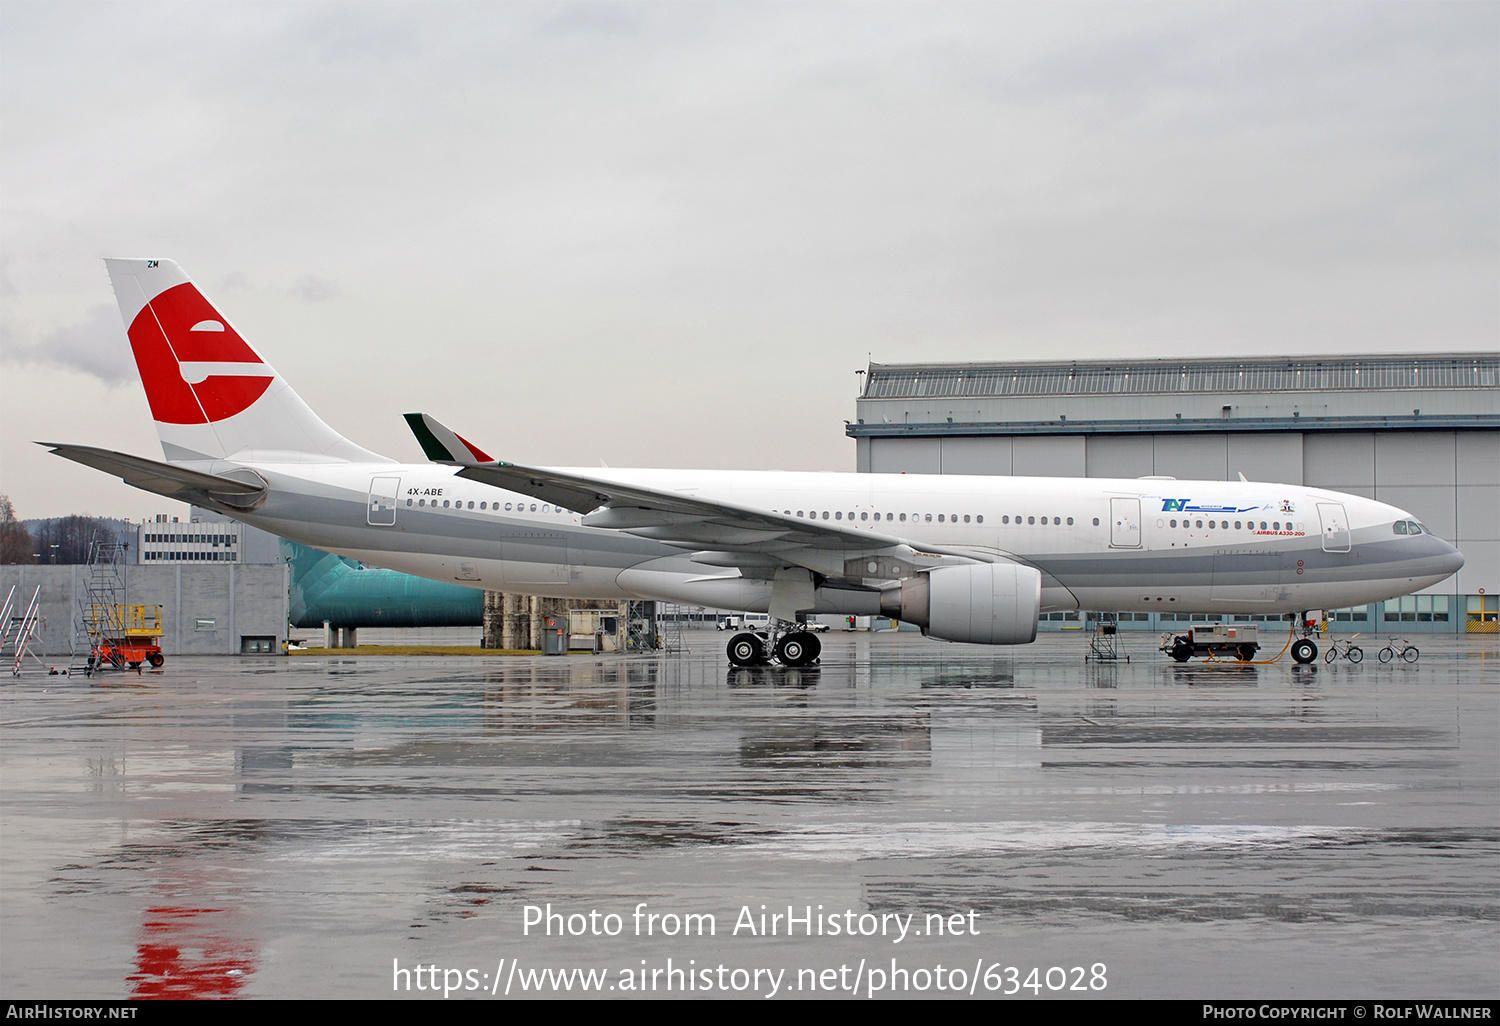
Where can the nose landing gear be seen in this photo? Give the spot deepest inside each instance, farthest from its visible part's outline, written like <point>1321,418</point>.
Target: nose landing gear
<point>1304,649</point>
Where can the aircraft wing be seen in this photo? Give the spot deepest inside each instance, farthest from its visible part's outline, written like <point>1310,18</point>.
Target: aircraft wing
<point>726,534</point>
<point>164,478</point>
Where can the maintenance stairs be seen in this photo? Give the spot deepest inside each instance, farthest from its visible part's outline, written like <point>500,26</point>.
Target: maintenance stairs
<point>20,631</point>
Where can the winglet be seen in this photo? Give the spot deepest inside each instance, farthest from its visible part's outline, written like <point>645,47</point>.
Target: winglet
<point>444,446</point>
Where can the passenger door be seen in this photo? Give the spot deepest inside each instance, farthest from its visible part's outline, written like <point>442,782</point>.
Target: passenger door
<point>382,508</point>
<point>1335,526</point>
<point>1124,523</point>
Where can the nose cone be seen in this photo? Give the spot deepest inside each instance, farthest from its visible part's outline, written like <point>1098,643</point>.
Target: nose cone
<point>1448,562</point>
<point>1432,562</point>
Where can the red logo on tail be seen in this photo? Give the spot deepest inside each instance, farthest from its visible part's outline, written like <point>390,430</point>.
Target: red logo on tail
<point>195,367</point>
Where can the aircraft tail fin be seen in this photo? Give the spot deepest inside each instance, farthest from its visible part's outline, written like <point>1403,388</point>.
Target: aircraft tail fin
<point>212,395</point>
<point>444,446</point>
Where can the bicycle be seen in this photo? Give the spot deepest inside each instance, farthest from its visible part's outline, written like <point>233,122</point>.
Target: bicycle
<point>1408,652</point>
<point>1347,649</point>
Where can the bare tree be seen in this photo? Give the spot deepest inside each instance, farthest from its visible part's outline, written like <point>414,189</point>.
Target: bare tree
<point>66,539</point>
<point>16,543</point>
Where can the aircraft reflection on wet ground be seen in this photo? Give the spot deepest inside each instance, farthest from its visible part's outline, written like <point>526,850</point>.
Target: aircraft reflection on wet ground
<point>287,827</point>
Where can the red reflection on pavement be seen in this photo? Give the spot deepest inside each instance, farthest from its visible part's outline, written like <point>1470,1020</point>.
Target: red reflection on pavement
<point>190,953</point>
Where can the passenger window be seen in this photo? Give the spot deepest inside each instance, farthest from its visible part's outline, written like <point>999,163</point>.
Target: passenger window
<point>839,515</point>
<point>1070,521</point>
<point>1031,520</point>
<point>966,518</point>
<point>864,516</point>
<point>980,518</point>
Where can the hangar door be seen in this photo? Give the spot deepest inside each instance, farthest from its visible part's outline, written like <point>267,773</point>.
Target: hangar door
<point>1124,523</point>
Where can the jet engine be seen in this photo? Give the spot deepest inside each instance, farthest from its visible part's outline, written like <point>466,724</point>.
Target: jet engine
<point>980,603</point>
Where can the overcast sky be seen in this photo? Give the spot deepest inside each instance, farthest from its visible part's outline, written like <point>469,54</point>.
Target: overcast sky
<point>670,234</point>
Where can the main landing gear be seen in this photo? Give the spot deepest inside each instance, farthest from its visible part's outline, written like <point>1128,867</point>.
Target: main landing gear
<point>1304,649</point>
<point>790,647</point>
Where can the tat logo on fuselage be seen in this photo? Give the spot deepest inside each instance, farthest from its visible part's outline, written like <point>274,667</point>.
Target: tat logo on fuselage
<point>1189,506</point>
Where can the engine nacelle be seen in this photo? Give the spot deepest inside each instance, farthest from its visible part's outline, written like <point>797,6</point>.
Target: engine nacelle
<point>980,603</point>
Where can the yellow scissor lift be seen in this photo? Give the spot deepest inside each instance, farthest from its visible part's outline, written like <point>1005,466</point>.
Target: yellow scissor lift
<point>124,635</point>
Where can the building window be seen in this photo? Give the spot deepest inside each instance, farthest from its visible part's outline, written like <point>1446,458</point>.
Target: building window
<point>1417,609</point>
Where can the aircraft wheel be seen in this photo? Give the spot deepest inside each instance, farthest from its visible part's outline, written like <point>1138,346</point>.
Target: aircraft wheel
<point>798,648</point>
<point>1304,651</point>
<point>746,650</point>
<point>814,646</point>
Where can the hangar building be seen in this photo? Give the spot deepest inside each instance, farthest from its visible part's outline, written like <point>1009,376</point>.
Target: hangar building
<point>1419,431</point>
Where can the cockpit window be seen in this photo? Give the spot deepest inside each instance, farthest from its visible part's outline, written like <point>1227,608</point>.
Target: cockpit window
<point>1409,527</point>
<point>1399,527</point>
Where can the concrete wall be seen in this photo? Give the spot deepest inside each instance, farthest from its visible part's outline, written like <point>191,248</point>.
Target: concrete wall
<point>206,609</point>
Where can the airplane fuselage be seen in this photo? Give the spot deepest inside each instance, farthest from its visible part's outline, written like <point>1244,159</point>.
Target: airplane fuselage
<point>1128,544</point>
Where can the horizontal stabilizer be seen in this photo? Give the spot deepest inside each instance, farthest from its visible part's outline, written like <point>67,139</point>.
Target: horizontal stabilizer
<point>165,479</point>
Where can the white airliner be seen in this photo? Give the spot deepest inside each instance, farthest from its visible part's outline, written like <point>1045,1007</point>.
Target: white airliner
<point>968,559</point>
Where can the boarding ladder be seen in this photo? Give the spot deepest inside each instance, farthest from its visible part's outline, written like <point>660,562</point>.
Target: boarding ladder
<point>19,631</point>
<point>100,607</point>
<point>1104,646</point>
